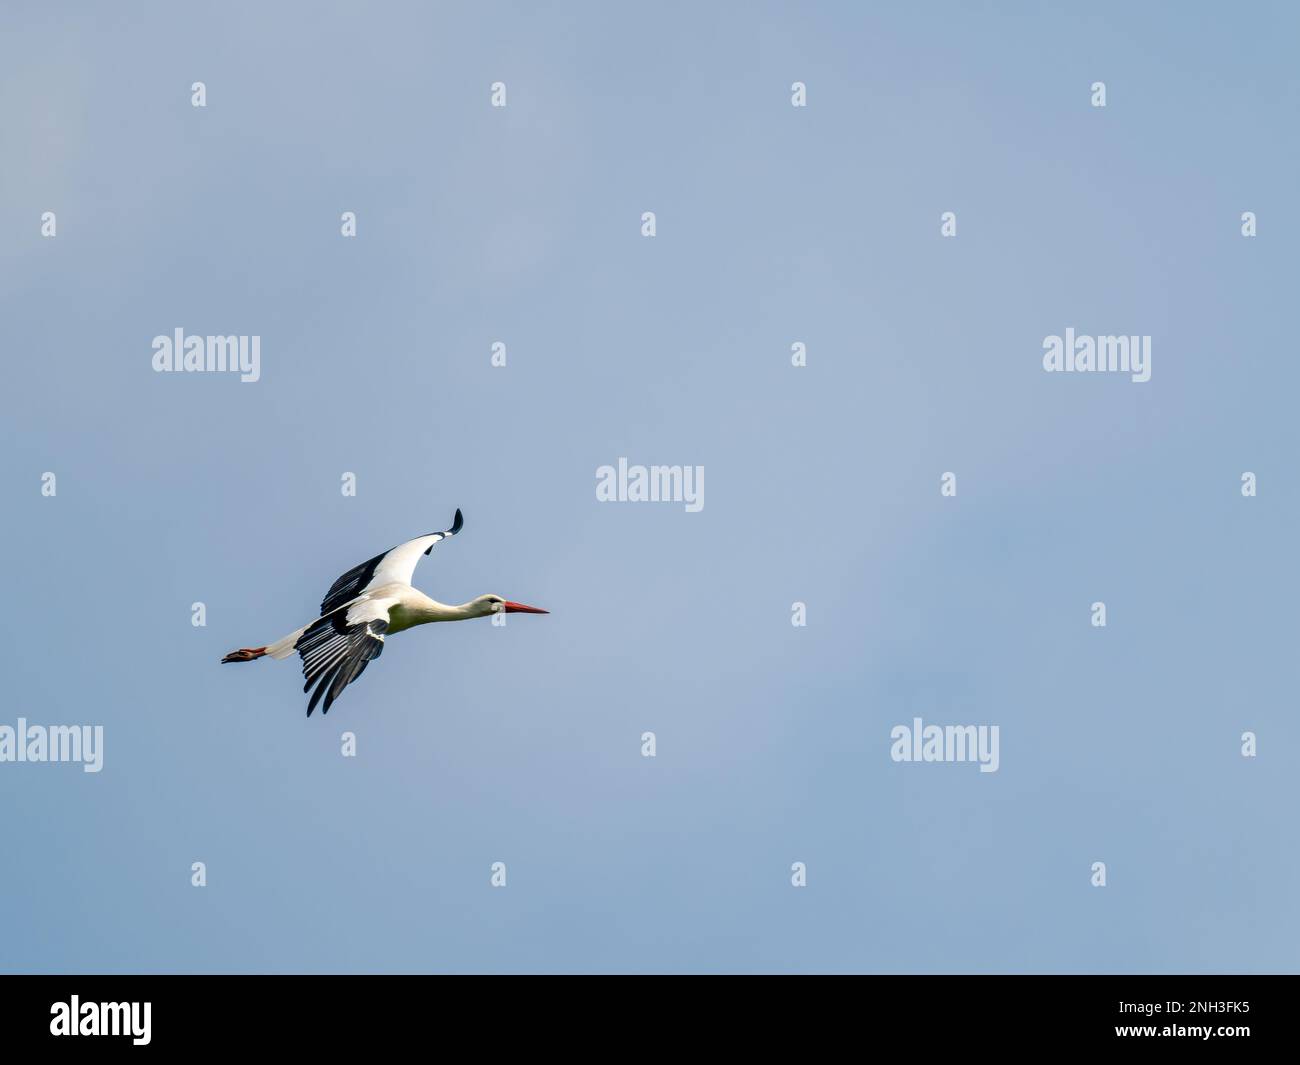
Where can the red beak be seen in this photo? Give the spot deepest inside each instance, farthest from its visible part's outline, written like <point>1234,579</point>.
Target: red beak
<point>519,608</point>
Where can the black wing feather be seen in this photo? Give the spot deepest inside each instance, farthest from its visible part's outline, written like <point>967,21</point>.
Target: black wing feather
<point>349,586</point>
<point>457,523</point>
<point>334,654</point>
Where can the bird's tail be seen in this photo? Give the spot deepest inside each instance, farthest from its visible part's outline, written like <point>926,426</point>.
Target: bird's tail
<point>282,648</point>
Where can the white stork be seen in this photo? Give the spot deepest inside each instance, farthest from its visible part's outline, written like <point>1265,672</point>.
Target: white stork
<point>367,603</point>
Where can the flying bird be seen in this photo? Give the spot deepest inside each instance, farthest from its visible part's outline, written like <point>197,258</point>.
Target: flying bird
<point>369,602</point>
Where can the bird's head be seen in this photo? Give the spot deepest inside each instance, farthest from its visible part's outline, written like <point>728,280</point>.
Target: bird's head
<point>486,605</point>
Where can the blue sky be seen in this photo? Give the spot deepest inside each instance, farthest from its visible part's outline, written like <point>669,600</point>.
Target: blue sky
<point>774,225</point>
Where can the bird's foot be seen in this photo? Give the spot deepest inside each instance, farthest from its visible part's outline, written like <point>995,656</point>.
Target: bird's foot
<point>245,654</point>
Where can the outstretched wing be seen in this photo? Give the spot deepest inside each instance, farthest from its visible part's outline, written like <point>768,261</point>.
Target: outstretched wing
<point>396,564</point>
<point>336,649</point>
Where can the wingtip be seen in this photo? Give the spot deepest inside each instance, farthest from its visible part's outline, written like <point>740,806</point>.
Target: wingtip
<point>457,522</point>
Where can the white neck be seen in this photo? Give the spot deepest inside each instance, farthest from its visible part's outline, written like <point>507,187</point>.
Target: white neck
<point>428,610</point>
